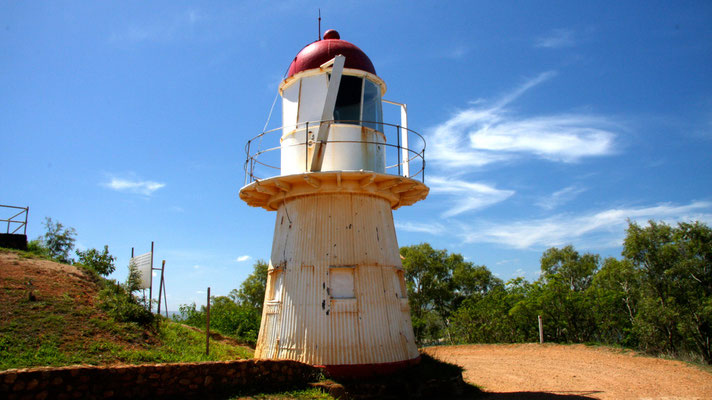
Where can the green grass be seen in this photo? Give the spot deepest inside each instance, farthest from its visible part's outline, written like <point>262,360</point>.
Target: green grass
<point>303,394</point>
<point>67,325</point>
<point>176,344</point>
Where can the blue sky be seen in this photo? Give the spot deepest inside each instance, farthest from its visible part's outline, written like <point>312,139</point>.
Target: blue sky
<point>548,123</point>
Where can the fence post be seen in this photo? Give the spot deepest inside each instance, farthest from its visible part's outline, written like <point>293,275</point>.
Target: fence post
<point>207,326</point>
<point>541,330</point>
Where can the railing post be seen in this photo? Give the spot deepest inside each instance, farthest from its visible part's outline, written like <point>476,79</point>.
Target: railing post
<point>247,162</point>
<point>306,146</point>
<point>27,211</point>
<point>398,135</point>
<point>423,176</point>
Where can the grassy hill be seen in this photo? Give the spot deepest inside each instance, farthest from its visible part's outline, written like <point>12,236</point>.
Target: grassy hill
<point>52,314</point>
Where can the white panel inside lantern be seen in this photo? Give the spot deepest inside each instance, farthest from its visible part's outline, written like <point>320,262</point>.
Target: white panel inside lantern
<point>290,107</point>
<point>312,97</point>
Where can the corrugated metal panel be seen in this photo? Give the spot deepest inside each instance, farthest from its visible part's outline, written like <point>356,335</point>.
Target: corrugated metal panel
<point>312,234</point>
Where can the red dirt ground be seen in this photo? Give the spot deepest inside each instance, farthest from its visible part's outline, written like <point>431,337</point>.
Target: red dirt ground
<point>534,371</point>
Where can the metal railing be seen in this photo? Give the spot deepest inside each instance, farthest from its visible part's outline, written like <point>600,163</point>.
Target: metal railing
<point>21,223</point>
<point>268,159</point>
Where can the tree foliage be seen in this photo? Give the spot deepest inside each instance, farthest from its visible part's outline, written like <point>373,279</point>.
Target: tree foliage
<point>58,240</point>
<point>437,283</point>
<point>238,314</point>
<point>101,262</point>
<point>252,289</point>
<point>56,243</point>
<point>657,298</point>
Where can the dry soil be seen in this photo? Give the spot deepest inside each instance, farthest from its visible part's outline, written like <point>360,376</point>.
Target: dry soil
<point>534,371</point>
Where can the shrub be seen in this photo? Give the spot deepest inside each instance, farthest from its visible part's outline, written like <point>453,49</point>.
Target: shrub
<point>120,303</point>
<point>58,240</point>
<point>102,263</point>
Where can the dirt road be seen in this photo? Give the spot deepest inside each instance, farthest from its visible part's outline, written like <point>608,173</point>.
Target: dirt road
<point>533,371</point>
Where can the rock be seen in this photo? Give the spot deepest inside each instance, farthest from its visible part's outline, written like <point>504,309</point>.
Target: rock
<point>19,385</point>
<point>10,378</point>
<point>32,384</point>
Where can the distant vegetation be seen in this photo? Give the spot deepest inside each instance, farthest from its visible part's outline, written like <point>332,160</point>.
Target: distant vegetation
<point>238,314</point>
<point>656,298</point>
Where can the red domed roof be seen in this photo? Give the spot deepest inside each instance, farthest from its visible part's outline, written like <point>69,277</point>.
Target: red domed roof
<point>321,51</point>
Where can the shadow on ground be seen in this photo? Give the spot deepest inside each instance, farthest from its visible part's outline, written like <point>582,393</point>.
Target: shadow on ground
<point>583,395</point>
<point>431,379</point>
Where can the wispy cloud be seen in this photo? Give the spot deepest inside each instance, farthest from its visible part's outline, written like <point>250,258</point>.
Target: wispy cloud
<point>243,258</point>
<point>418,227</point>
<point>143,187</point>
<point>556,39</point>
<point>560,197</point>
<point>599,229</point>
<point>161,31</point>
<point>483,134</point>
<point>466,196</point>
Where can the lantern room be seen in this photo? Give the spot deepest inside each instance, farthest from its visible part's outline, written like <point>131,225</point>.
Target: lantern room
<point>355,133</point>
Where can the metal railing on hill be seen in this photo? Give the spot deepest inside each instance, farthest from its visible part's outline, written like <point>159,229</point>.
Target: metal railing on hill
<point>16,219</point>
<point>262,163</point>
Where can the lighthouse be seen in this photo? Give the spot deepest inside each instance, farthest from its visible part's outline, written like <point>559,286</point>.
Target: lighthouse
<point>336,294</point>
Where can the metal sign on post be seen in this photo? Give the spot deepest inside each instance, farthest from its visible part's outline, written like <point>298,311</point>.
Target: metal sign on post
<point>144,265</point>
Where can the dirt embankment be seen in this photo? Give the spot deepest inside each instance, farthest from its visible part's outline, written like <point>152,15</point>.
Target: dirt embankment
<point>529,371</point>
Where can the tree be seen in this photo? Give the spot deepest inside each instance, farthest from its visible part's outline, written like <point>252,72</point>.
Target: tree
<point>102,263</point>
<point>564,300</point>
<point>58,240</point>
<point>675,267</point>
<point>616,290</point>
<point>437,283</point>
<point>252,289</point>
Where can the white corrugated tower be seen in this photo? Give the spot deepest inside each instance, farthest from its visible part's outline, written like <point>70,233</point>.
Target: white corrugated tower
<point>336,294</point>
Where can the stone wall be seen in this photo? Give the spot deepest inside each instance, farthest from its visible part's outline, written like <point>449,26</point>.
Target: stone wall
<point>184,380</point>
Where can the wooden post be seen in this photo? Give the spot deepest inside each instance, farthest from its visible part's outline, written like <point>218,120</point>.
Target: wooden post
<point>207,326</point>
<point>541,330</point>
<point>165,297</point>
<point>160,287</point>
<point>150,288</point>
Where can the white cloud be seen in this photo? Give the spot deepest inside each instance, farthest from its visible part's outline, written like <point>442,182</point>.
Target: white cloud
<point>556,39</point>
<point>243,258</point>
<point>145,188</point>
<point>482,135</point>
<point>433,229</point>
<point>560,197</point>
<point>197,266</point>
<point>466,196</point>
<point>564,137</point>
<point>601,229</point>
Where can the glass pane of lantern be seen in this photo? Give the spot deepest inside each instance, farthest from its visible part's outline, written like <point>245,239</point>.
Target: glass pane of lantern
<point>348,101</point>
<point>341,283</point>
<point>372,106</point>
